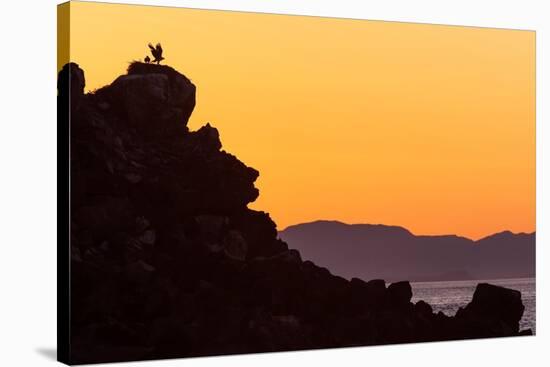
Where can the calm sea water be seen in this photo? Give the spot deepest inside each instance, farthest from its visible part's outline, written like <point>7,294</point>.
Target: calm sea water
<point>449,296</point>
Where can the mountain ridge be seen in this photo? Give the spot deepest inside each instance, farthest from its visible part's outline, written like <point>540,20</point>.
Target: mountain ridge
<point>339,222</point>
<point>345,248</point>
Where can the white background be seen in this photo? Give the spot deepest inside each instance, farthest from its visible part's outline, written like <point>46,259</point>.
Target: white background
<point>28,183</point>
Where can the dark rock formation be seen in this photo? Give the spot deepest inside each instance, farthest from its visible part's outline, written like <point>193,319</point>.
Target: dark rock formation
<point>168,261</point>
<point>70,84</point>
<point>400,293</point>
<point>499,309</point>
<point>152,93</point>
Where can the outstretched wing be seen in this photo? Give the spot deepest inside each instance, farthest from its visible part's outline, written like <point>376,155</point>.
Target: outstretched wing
<point>159,49</point>
<point>151,47</point>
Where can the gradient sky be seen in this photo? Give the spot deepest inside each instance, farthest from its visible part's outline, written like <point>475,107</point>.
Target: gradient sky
<point>424,126</point>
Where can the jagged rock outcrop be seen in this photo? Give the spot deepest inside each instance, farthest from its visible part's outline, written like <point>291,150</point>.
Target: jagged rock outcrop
<point>151,93</point>
<point>168,261</point>
<point>70,85</point>
<point>400,293</point>
<point>494,311</point>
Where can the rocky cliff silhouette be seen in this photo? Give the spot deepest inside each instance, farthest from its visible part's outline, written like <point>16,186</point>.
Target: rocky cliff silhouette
<point>392,253</point>
<point>168,261</point>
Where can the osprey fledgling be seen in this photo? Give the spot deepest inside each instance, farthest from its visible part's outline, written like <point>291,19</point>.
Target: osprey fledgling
<point>147,59</point>
<point>157,53</point>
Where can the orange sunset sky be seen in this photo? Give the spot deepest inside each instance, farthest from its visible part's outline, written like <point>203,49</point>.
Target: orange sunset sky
<point>424,126</point>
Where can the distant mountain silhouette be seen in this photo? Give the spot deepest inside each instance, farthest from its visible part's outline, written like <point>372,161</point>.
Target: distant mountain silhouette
<point>370,251</point>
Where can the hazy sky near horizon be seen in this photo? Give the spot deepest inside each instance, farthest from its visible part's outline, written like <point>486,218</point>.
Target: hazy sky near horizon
<point>424,126</point>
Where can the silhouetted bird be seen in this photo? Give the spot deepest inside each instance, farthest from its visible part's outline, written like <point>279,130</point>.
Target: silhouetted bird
<point>157,53</point>
<point>147,59</point>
